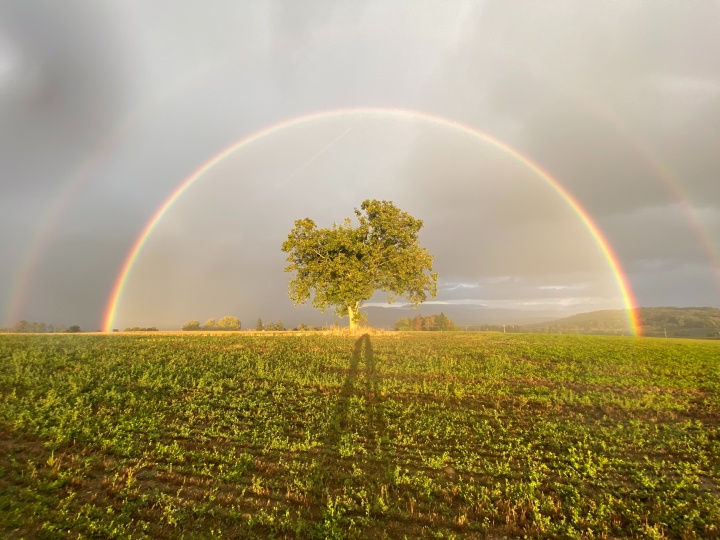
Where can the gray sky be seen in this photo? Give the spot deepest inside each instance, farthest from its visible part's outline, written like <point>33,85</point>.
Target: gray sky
<point>105,108</point>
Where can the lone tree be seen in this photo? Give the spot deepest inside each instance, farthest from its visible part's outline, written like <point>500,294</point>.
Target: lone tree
<point>343,266</point>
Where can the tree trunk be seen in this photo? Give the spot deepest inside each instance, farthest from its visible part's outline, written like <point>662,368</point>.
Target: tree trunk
<point>352,315</point>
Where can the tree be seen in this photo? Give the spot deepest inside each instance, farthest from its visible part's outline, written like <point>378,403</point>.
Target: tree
<point>443,322</point>
<point>259,325</point>
<point>343,266</point>
<point>228,323</point>
<point>191,326</point>
<point>73,329</point>
<point>403,324</point>
<point>210,324</point>
<point>277,326</point>
<point>39,327</point>
<point>22,327</point>
<point>140,329</point>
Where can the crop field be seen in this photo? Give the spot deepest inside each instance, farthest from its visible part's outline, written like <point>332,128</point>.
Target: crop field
<point>418,435</point>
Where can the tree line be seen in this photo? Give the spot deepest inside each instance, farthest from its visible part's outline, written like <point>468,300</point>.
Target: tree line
<point>271,326</point>
<point>33,327</point>
<point>227,323</point>
<point>431,323</point>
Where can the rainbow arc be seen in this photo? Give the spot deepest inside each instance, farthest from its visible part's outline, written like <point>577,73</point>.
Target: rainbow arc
<point>383,113</point>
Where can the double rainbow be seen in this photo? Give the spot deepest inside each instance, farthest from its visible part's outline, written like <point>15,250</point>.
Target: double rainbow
<point>383,113</point>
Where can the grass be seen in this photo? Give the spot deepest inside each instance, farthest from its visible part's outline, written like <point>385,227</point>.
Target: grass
<point>437,435</point>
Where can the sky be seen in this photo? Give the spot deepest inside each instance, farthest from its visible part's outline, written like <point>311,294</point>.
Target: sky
<point>527,136</point>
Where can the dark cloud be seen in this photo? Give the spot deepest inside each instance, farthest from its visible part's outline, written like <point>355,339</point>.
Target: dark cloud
<point>62,86</point>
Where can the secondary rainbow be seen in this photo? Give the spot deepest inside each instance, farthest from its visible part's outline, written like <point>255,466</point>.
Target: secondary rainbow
<point>385,113</point>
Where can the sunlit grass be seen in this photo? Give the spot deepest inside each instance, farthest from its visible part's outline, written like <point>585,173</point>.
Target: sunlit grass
<point>419,435</point>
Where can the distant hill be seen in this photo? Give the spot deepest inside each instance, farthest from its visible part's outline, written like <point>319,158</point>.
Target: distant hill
<point>655,321</point>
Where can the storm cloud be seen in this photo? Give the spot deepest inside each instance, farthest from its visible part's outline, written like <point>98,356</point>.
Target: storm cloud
<point>106,109</point>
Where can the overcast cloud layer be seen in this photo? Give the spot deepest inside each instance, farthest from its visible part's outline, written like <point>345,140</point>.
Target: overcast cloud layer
<point>106,107</point>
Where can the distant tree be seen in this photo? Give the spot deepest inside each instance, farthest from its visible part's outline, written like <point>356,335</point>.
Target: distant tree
<point>444,323</point>
<point>276,326</point>
<point>403,325</point>
<point>141,329</point>
<point>210,324</point>
<point>228,323</point>
<point>259,325</point>
<point>22,327</point>
<point>74,329</point>
<point>342,267</point>
<point>429,323</point>
<point>191,326</point>
<point>31,326</point>
<point>418,323</point>
<point>38,327</point>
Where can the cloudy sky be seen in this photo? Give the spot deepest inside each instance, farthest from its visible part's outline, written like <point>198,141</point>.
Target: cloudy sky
<point>442,107</point>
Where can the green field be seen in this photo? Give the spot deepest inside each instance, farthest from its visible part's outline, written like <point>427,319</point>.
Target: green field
<point>432,435</point>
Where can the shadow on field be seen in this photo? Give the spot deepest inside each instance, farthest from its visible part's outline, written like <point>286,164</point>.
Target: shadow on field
<point>362,383</point>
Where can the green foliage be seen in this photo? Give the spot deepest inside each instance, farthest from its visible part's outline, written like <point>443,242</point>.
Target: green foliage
<point>228,323</point>
<point>656,321</point>
<point>141,329</point>
<point>26,327</point>
<point>439,322</point>
<point>259,325</point>
<point>304,328</point>
<point>680,322</point>
<point>22,327</point>
<point>429,434</point>
<point>210,324</point>
<point>191,326</point>
<point>342,267</point>
<point>276,326</point>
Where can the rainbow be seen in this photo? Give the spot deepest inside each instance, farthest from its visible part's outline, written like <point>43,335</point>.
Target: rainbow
<point>660,169</point>
<point>43,235</point>
<point>385,113</point>
<point>663,172</point>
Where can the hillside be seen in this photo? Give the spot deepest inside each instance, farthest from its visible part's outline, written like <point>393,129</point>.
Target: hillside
<point>656,321</point>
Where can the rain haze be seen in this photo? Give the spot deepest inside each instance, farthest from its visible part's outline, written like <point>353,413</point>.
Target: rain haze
<point>540,143</point>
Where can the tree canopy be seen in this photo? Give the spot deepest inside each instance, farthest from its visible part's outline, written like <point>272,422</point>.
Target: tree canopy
<point>342,266</point>
<point>191,326</point>
<point>228,322</point>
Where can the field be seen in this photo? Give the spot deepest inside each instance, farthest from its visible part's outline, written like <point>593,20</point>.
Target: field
<point>418,435</point>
